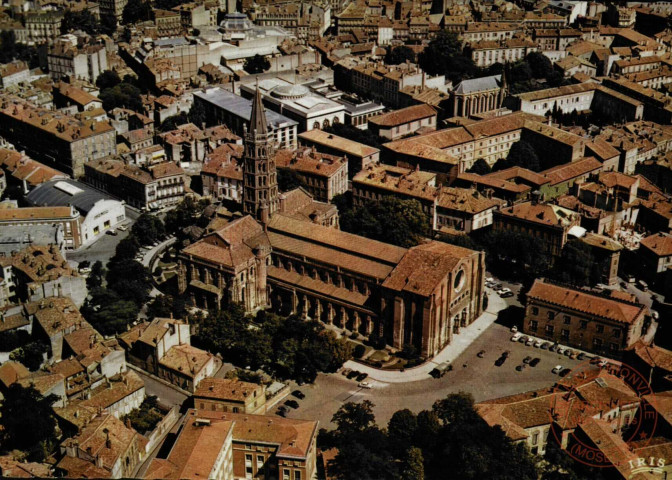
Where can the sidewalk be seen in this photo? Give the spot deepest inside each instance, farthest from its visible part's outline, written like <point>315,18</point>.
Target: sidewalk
<point>449,353</point>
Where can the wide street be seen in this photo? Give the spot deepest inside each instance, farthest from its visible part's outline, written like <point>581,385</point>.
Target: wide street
<point>104,248</point>
<point>480,377</point>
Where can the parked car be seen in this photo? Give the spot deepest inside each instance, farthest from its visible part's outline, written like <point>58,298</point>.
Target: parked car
<point>514,329</point>
<point>516,337</point>
<point>506,295</point>
<point>362,376</point>
<point>299,394</point>
<point>489,279</point>
<point>565,372</point>
<point>112,232</point>
<point>480,354</point>
<point>557,369</point>
<point>530,341</point>
<point>527,359</point>
<point>123,228</point>
<point>500,361</point>
<point>560,349</point>
<point>353,374</point>
<point>521,367</point>
<point>502,291</point>
<point>643,286</point>
<point>281,412</point>
<point>364,385</point>
<point>346,371</point>
<point>535,361</point>
<point>581,356</point>
<point>553,347</point>
<point>292,403</point>
<point>569,352</point>
<point>506,353</point>
<point>538,343</point>
<point>545,345</point>
<point>523,339</point>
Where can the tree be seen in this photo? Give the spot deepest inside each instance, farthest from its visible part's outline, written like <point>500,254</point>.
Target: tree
<point>256,64</point>
<point>540,65</point>
<point>393,220</point>
<point>10,50</point>
<point>288,180</point>
<point>480,167</point>
<point>80,20</point>
<point>576,262</point>
<point>401,54</point>
<point>174,121</point>
<point>96,276</point>
<point>455,408</point>
<point>108,79</point>
<point>164,306</point>
<point>401,431</point>
<point>130,280</point>
<point>354,418</point>
<point>523,155</point>
<point>148,229</point>
<point>108,312</point>
<point>137,11</point>
<point>197,114</point>
<point>124,95</point>
<point>30,354</point>
<point>412,465</point>
<point>127,249</point>
<point>359,351</point>
<point>145,418</point>
<point>28,421</point>
<point>444,56</point>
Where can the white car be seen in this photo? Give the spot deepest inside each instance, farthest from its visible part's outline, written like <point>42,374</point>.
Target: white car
<point>489,280</point>
<point>516,337</point>
<point>514,329</point>
<point>557,369</point>
<point>504,290</point>
<point>560,350</point>
<point>538,343</point>
<point>123,228</point>
<point>364,385</point>
<point>530,341</point>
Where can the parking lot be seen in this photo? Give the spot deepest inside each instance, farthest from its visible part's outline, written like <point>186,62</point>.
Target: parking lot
<point>480,377</point>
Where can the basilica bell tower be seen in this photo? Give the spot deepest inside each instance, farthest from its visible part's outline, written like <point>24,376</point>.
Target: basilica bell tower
<point>260,179</point>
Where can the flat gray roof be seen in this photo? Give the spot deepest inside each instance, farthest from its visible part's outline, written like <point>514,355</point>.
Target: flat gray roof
<point>242,107</point>
<point>63,192</point>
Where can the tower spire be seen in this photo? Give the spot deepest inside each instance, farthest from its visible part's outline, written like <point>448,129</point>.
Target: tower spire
<point>258,116</point>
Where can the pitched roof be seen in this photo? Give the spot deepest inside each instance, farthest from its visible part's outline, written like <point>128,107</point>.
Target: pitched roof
<point>187,360</point>
<point>425,266</point>
<point>541,213</point>
<point>226,389</point>
<point>330,140</point>
<point>660,244</point>
<point>481,84</point>
<point>569,171</point>
<point>403,116</point>
<point>582,301</point>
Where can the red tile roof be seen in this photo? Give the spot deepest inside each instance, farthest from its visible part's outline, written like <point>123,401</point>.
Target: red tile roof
<point>579,300</point>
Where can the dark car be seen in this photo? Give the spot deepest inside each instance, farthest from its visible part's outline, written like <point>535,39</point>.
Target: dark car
<point>281,412</point>
<point>527,359</point>
<point>506,295</point>
<point>565,372</point>
<point>299,394</point>
<point>521,367</point>
<point>353,374</point>
<point>362,376</point>
<point>292,403</point>
<point>481,353</point>
<point>506,354</point>
<point>581,356</point>
<point>500,361</point>
<point>535,362</point>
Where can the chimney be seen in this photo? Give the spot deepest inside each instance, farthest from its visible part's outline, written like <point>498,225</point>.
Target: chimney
<point>108,443</point>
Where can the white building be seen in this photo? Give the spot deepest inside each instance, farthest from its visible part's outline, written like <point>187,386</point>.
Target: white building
<point>100,211</point>
<point>297,102</point>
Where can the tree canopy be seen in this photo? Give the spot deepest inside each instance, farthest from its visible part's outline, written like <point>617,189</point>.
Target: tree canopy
<point>28,422</point>
<point>108,79</point>
<point>523,155</point>
<point>256,64</point>
<point>444,56</point>
<point>400,54</point>
<point>420,447</point>
<point>392,220</point>
<point>10,50</point>
<point>137,11</point>
<point>148,229</point>
<point>80,20</point>
<point>480,167</point>
<point>125,94</point>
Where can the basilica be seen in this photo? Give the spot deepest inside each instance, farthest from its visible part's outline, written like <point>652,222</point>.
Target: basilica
<point>285,253</point>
